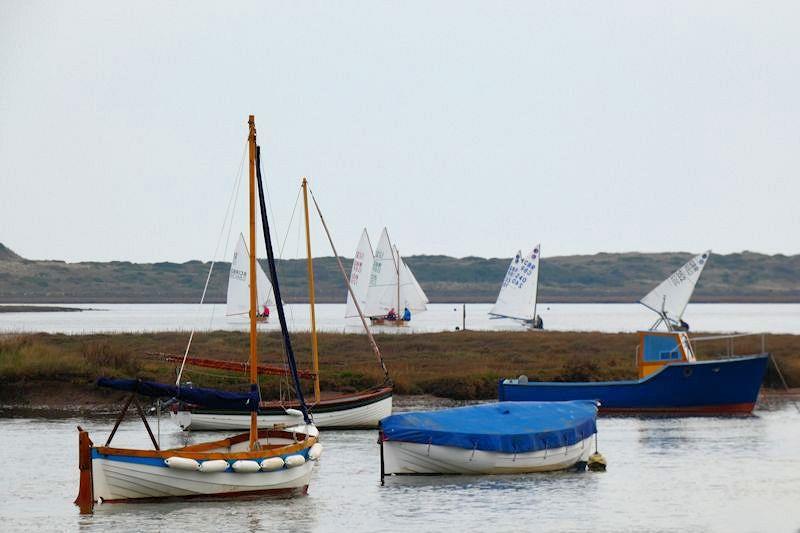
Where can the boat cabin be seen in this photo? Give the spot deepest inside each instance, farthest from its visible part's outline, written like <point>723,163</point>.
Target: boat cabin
<point>659,348</point>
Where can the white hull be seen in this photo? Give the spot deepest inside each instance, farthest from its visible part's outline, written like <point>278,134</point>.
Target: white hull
<point>123,478</point>
<point>412,458</point>
<point>119,480</point>
<point>364,417</point>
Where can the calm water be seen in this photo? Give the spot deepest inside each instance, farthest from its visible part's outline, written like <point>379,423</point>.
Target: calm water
<point>665,474</point>
<point>771,318</point>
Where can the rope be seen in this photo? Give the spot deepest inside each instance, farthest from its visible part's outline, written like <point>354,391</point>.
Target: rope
<point>237,181</point>
<point>374,345</point>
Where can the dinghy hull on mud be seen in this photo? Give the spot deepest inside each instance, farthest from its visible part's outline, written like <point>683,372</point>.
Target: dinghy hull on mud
<point>358,411</point>
<point>724,386</point>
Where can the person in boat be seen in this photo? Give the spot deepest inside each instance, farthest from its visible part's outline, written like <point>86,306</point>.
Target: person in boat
<point>538,323</point>
<point>684,325</point>
<point>406,314</point>
<point>391,315</point>
<point>264,313</point>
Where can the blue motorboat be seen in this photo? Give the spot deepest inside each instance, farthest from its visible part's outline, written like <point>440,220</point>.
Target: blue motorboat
<point>670,381</point>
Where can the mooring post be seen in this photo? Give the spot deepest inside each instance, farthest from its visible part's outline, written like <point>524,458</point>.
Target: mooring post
<point>85,499</point>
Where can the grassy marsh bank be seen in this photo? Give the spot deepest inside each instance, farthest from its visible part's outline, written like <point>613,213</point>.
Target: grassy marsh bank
<point>59,370</point>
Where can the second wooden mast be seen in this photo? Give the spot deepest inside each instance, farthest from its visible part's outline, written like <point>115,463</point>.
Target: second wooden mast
<point>310,265</point>
<point>252,277</point>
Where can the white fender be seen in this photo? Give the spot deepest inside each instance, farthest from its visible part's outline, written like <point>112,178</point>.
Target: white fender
<point>271,464</point>
<point>182,463</point>
<point>245,466</point>
<point>294,412</point>
<point>315,452</point>
<point>217,465</point>
<point>295,460</point>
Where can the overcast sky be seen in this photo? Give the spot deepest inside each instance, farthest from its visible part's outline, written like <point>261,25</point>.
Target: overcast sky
<point>467,128</point>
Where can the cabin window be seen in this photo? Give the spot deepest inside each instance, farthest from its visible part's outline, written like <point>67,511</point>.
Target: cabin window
<point>658,348</point>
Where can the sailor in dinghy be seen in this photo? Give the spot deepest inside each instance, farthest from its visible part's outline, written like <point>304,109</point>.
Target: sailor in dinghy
<point>392,287</point>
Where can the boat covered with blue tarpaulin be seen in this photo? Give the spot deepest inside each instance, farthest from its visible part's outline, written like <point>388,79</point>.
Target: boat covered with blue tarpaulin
<point>505,437</point>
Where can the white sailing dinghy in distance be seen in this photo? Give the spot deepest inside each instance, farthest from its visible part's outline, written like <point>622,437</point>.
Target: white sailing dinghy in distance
<point>393,289</point>
<point>238,299</point>
<point>518,293</point>
<point>359,275</point>
<point>670,298</point>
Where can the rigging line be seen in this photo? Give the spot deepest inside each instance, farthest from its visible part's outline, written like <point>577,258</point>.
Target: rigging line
<point>289,227</point>
<point>230,223</point>
<point>286,238</point>
<point>276,287</point>
<point>372,342</point>
<point>237,180</point>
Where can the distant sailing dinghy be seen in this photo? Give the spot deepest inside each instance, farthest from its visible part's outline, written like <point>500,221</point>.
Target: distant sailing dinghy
<point>672,295</point>
<point>518,293</point>
<point>359,276</point>
<point>393,295</point>
<point>238,300</point>
<point>492,438</point>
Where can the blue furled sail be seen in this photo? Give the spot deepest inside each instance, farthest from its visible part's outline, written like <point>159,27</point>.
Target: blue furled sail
<point>210,398</point>
<point>507,427</point>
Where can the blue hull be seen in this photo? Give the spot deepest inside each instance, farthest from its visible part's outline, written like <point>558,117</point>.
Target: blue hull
<point>719,386</point>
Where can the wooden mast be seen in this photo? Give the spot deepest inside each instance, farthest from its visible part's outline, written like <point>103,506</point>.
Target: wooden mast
<point>310,265</point>
<point>252,277</point>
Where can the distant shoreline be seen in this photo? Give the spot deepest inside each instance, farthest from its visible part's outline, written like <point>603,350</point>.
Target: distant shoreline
<point>40,309</point>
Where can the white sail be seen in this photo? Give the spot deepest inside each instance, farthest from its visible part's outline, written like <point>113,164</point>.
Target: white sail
<point>423,297</point>
<point>517,296</point>
<point>238,301</point>
<point>411,294</point>
<point>672,295</point>
<point>392,284</point>
<point>359,276</point>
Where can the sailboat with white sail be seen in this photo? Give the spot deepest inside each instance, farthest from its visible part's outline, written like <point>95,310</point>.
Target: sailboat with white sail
<point>518,294</point>
<point>359,276</point>
<point>670,298</point>
<point>277,460</point>
<point>238,298</point>
<point>393,294</point>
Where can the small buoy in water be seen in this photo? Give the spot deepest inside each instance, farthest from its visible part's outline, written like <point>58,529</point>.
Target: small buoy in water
<point>596,462</point>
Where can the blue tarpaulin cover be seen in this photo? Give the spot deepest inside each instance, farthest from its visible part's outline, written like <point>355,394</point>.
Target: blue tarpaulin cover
<point>508,427</point>
<point>211,398</point>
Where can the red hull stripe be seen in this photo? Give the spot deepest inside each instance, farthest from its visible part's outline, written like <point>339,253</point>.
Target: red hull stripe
<point>275,493</point>
<point>730,408</point>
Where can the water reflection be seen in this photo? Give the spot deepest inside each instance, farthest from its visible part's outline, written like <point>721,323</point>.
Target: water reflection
<point>689,474</point>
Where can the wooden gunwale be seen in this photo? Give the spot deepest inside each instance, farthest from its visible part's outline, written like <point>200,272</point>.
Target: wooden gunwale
<point>198,451</point>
